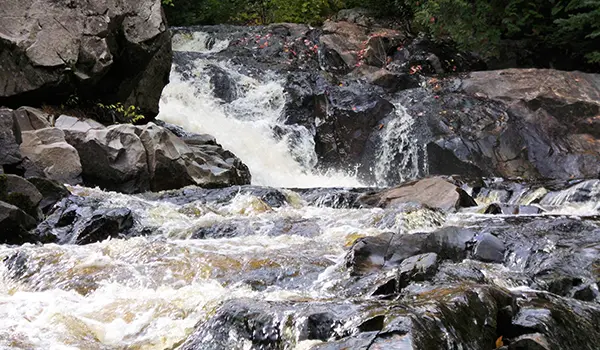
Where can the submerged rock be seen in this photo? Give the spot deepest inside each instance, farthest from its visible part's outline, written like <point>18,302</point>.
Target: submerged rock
<point>77,220</point>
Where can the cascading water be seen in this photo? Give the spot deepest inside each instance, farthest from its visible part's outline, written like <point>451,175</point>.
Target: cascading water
<point>193,250</point>
<point>246,125</point>
<point>398,154</point>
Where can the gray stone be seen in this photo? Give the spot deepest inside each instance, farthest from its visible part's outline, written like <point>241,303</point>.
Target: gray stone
<point>66,122</point>
<point>109,50</point>
<point>132,159</point>
<point>30,118</point>
<point>419,267</point>
<point>48,150</point>
<point>10,138</point>
<point>113,158</point>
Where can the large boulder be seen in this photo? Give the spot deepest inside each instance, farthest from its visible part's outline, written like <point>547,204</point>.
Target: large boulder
<point>51,155</point>
<point>109,50</point>
<point>133,159</point>
<point>113,158</point>
<point>433,192</point>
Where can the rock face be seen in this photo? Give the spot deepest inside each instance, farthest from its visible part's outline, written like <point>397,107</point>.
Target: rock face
<point>133,159</point>
<point>529,123</point>
<point>110,50</point>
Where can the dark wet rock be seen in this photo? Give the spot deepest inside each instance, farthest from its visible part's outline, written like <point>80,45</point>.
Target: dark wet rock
<point>224,87</point>
<point>339,198</point>
<point>52,192</point>
<point>582,192</point>
<point>427,56</point>
<point>450,242</point>
<point>432,192</point>
<point>319,326</point>
<point>16,264</point>
<point>509,209</point>
<point>488,248</point>
<point>241,228</point>
<point>21,193</point>
<point>501,123</point>
<point>225,229</point>
<point>446,317</point>
<point>105,223</point>
<point>113,51</point>
<point>370,254</point>
<point>419,267</point>
<point>296,227</point>
<point>79,220</point>
<point>133,159</point>
<point>271,196</point>
<point>10,139</point>
<point>51,156</point>
<point>349,115</point>
<point>535,341</point>
<point>587,292</point>
<point>393,82</point>
<point>15,224</point>
<point>236,322</point>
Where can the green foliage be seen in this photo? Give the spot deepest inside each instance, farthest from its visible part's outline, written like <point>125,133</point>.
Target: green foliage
<point>192,12</point>
<point>568,26</point>
<point>581,27</point>
<point>120,112</point>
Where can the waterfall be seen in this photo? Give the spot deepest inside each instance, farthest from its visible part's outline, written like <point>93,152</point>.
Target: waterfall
<point>248,124</point>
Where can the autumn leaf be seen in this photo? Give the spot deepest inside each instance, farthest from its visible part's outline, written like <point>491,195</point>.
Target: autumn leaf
<point>499,343</point>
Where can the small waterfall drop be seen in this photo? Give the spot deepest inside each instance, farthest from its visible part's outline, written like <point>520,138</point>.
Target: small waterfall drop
<point>398,153</point>
<point>247,125</point>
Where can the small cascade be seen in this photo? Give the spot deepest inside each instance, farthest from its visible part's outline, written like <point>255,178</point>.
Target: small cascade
<point>398,153</point>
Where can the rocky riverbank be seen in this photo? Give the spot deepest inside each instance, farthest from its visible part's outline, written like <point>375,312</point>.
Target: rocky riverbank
<point>477,225</point>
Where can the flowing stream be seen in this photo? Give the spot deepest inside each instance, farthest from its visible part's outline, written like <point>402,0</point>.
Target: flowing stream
<point>149,292</point>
